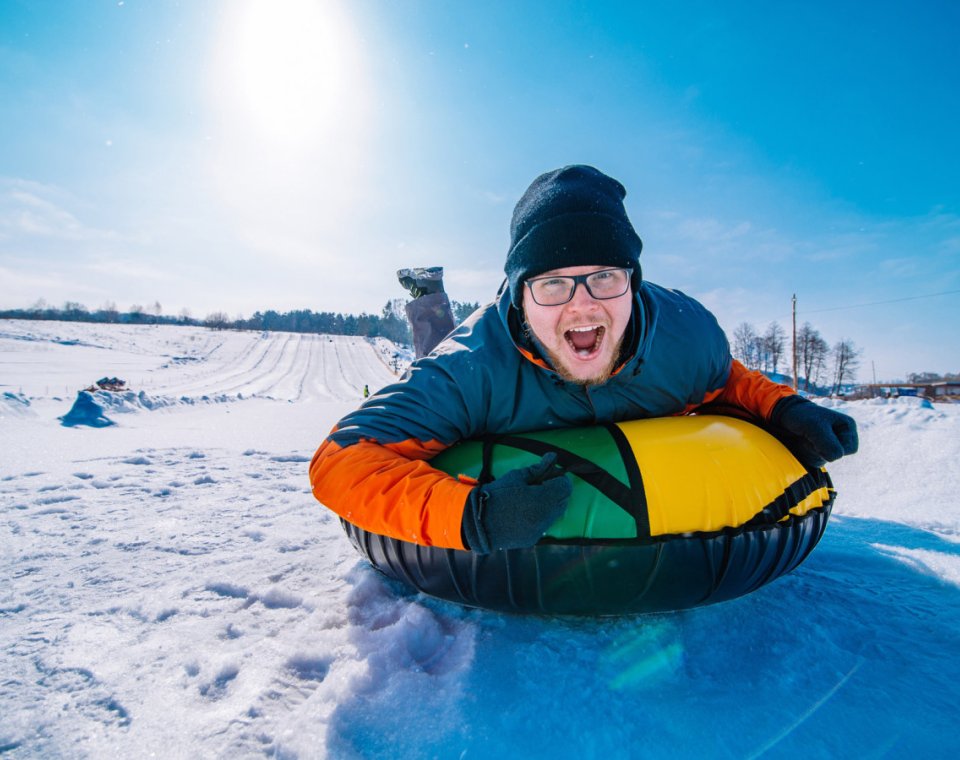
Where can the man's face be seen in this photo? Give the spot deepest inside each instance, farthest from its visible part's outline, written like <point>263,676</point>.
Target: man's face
<point>582,337</point>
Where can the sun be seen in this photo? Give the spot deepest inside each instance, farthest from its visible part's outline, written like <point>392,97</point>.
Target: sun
<point>289,69</point>
<point>288,126</point>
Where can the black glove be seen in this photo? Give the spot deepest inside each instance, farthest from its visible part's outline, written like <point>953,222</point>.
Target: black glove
<point>815,434</point>
<point>515,510</point>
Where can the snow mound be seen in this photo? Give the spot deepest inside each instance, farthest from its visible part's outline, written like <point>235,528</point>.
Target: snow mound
<point>86,411</point>
<point>909,402</point>
<point>15,405</point>
<point>91,407</point>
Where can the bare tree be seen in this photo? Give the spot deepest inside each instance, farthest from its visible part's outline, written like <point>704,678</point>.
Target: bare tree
<point>812,352</point>
<point>773,343</point>
<point>745,343</point>
<point>217,320</point>
<point>109,310</point>
<point>821,352</point>
<point>846,361</point>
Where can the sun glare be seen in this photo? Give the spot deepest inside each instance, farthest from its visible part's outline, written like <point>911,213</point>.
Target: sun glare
<point>290,132</point>
<point>289,68</point>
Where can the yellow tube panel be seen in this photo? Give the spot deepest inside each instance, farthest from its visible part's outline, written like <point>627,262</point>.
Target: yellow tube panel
<point>707,473</point>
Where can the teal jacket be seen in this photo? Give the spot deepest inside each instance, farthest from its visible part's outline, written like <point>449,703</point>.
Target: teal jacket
<point>487,377</point>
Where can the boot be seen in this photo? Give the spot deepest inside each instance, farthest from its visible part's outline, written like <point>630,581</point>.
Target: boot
<point>422,281</point>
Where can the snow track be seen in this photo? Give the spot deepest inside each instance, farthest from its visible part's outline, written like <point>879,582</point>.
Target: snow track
<point>286,367</point>
<point>190,362</point>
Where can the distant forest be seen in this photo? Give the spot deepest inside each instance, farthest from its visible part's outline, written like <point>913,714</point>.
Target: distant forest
<point>391,323</point>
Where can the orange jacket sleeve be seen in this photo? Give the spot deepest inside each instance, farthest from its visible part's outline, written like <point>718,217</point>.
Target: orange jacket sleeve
<point>389,489</point>
<point>752,391</point>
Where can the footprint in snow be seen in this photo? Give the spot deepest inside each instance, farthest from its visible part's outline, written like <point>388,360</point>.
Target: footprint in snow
<point>217,688</point>
<point>309,667</point>
<point>225,588</point>
<point>57,499</point>
<point>275,599</point>
<point>230,632</point>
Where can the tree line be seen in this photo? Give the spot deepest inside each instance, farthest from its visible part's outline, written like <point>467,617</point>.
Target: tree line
<point>391,323</point>
<point>923,378</point>
<point>819,366</point>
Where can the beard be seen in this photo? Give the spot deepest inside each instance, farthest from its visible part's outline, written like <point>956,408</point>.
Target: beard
<point>598,379</point>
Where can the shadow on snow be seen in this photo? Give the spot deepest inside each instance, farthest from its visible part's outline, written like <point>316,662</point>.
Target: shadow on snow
<point>856,652</point>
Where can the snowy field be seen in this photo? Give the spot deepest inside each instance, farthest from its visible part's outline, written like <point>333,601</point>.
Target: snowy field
<point>171,588</point>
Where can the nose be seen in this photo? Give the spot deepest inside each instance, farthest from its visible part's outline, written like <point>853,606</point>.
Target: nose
<point>581,296</point>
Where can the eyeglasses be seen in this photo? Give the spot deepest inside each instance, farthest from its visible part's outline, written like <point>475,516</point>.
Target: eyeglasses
<point>556,290</point>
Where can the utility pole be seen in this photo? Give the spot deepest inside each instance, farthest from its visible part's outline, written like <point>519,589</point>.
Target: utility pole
<point>794,341</point>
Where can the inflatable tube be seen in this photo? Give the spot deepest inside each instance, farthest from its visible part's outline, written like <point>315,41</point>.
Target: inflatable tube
<point>665,514</point>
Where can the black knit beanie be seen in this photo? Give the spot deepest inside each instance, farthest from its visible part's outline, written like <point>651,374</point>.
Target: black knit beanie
<point>570,217</point>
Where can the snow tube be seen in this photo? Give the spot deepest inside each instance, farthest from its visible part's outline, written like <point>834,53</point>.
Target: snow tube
<point>665,514</point>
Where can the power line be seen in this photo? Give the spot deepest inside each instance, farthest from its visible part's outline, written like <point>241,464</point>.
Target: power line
<point>879,303</point>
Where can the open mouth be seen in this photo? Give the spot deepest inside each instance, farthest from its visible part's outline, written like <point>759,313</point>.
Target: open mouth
<point>585,341</point>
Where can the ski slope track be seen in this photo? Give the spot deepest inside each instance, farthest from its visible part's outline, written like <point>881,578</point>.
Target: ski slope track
<point>171,588</point>
<point>193,363</point>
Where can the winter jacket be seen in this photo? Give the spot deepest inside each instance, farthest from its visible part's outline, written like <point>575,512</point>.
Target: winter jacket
<point>486,378</point>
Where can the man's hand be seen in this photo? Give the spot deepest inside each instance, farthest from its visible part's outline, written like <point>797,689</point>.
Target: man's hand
<point>515,510</point>
<point>815,434</point>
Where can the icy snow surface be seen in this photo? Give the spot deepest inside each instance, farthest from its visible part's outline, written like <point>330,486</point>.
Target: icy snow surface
<point>171,589</point>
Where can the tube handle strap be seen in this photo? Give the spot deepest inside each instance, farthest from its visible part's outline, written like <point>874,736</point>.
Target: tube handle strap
<point>630,498</point>
<point>792,496</point>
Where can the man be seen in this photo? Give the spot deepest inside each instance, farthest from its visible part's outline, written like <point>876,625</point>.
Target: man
<point>575,337</point>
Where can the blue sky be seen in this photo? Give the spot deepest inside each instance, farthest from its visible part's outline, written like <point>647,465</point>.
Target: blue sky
<point>241,156</point>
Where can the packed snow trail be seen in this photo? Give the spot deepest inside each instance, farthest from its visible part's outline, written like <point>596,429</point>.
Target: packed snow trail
<point>190,362</point>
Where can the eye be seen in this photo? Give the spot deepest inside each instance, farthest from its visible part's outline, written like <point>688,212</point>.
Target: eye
<point>553,282</point>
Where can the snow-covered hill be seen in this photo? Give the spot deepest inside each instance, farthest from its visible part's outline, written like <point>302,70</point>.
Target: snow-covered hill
<point>171,588</point>
<point>191,362</point>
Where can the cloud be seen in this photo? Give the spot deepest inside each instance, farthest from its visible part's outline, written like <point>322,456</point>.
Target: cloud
<point>25,279</point>
<point>23,284</point>
<point>900,267</point>
<point>127,268</point>
<point>30,209</point>
<point>709,230</point>
<point>695,251</point>
<point>733,305</point>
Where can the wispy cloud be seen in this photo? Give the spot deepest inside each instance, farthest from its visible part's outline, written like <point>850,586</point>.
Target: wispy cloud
<point>25,284</point>
<point>123,267</point>
<point>712,231</point>
<point>30,209</point>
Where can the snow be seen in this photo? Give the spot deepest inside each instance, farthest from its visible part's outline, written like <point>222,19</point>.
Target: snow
<point>173,589</point>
